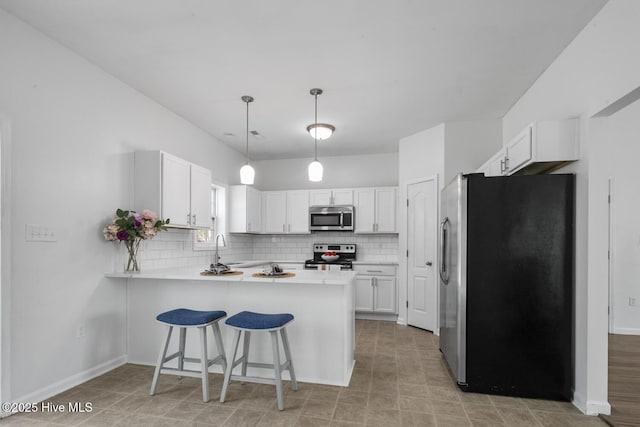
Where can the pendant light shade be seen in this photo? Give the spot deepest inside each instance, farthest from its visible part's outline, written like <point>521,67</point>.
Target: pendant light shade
<point>318,131</point>
<point>247,173</point>
<point>315,171</point>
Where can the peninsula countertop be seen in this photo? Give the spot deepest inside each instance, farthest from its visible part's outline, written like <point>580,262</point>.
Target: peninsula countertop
<point>193,274</point>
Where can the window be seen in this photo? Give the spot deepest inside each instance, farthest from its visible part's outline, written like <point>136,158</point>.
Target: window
<point>204,240</point>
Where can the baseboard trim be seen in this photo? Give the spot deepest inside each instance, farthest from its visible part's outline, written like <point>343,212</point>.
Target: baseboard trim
<point>626,331</point>
<point>590,407</point>
<point>377,316</point>
<point>72,381</point>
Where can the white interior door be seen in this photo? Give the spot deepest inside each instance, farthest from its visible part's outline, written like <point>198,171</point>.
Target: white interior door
<point>421,262</point>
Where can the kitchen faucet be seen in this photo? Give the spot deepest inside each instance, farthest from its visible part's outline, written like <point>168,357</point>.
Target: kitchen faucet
<point>217,267</point>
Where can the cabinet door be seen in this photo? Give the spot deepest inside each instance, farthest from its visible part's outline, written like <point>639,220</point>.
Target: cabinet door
<point>386,206</point>
<point>254,210</point>
<point>176,177</point>
<point>200,197</point>
<point>343,197</point>
<point>274,206</point>
<point>519,150</point>
<point>298,212</point>
<point>384,296</point>
<point>319,197</point>
<point>497,163</point>
<point>364,293</point>
<point>364,202</point>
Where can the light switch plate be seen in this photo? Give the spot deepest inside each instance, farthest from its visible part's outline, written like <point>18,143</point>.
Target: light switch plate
<point>41,233</point>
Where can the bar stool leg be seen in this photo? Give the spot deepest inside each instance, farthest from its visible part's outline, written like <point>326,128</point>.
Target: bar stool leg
<point>218,337</point>
<point>287,354</point>
<point>245,352</point>
<point>183,339</point>
<point>161,356</point>
<point>276,367</point>
<point>232,361</point>
<point>204,363</point>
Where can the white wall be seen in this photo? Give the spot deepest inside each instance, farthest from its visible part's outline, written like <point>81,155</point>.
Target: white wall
<point>73,127</point>
<point>470,144</point>
<point>421,156</point>
<point>618,153</point>
<point>600,66</point>
<point>372,170</point>
<point>442,152</point>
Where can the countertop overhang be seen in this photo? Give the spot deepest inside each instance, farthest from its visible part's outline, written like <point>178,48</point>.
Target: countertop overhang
<point>193,274</point>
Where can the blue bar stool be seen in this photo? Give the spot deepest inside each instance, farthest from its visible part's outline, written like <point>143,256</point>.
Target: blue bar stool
<point>247,322</point>
<point>184,318</point>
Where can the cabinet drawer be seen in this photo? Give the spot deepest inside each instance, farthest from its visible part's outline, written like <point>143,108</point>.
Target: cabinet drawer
<point>375,270</point>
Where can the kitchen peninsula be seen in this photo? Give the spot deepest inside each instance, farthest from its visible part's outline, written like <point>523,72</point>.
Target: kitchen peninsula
<point>322,336</point>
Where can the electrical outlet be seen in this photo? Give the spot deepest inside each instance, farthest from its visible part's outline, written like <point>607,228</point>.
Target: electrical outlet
<point>40,233</point>
<point>632,302</point>
<point>80,331</point>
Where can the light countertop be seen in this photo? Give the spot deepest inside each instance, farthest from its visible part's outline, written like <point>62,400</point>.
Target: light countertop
<point>193,274</point>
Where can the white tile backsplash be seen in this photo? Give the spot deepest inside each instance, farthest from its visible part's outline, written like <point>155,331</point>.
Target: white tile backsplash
<point>174,248</point>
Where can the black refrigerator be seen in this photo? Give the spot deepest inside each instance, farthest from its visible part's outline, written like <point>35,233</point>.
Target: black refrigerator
<point>506,284</point>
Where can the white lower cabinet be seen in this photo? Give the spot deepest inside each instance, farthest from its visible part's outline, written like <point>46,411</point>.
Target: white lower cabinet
<point>376,289</point>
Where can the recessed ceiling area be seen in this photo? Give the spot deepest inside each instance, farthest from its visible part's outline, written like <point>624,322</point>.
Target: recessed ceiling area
<point>388,69</point>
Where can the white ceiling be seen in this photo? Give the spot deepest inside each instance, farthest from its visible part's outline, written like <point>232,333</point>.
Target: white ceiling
<point>389,68</point>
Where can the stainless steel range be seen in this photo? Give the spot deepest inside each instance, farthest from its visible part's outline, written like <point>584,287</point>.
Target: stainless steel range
<point>346,254</point>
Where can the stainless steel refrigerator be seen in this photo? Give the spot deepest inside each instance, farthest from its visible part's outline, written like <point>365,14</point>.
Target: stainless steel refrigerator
<point>506,284</point>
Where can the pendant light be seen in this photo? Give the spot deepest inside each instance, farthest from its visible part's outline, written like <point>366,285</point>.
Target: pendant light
<point>315,167</point>
<point>247,173</point>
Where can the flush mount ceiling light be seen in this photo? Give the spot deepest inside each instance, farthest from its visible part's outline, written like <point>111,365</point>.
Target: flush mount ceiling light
<point>321,130</point>
<point>247,173</point>
<point>315,167</point>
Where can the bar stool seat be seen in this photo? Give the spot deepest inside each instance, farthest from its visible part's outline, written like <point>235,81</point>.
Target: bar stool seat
<point>244,323</point>
<point>184,319</point>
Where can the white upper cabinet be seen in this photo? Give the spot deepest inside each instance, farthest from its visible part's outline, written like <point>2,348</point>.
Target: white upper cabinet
<point>176,178</point>
<point>285,212</point>
<point>298,212</point>
<point>498,163</point>
<point>200,204</point>
<point>172,187</point>
<point>376,210</point>
<point>331,197</point>
<point>245,210</point>
<point>274,212</point>
<point>540,147</point>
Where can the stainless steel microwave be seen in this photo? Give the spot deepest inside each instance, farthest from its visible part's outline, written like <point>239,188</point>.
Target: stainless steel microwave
<point>331,218</point>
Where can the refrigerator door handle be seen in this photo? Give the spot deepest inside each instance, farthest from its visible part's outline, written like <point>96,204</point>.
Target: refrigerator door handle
<point>444,274</point>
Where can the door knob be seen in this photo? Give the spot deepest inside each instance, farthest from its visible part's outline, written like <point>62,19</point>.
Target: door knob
<point>429,263</point>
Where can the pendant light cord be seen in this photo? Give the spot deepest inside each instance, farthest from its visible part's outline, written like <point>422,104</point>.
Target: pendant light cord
<point>247,149</point>
<point>315,130</point>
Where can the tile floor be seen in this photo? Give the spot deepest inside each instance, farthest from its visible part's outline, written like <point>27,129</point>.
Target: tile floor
<point>399,380</point>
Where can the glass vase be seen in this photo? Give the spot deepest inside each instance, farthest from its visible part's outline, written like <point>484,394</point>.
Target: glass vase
<point>131,261</point>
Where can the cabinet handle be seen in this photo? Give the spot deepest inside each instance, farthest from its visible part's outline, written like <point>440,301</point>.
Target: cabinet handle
<point>374,280</point>
<point>289,228</point>
<point>189,219</point>
<point>502,166</point>
<point>374,271</point>
<point>194,219</point>
<point>283,228</point>
<point>506,164</point>
<point>248,226</point>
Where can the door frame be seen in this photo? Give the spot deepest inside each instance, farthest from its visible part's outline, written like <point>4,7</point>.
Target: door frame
<point>5,260</point>
<point>436,260</point>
